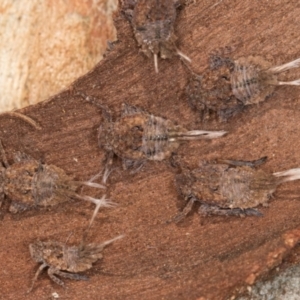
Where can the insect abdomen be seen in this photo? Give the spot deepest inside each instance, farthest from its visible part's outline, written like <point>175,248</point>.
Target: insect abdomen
<point>245,83</point>
<point>155,138</point>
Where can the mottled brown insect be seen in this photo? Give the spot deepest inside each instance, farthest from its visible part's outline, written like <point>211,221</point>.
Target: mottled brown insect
<point>153,26</point>
<point>138,136</point>
<point>65,261</point>
<point>30,184</point>
<point>229,85</point>
<point>230,188</point>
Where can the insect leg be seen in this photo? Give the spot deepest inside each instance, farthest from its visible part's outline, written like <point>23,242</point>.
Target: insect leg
<point>73,276</point>
<point>209,210</point>
<point>40,269</point>
<point>236,163</point>
<point>52,272</point>
<point>179,217</point>
<point>16,207</point>
<point>3,155</point>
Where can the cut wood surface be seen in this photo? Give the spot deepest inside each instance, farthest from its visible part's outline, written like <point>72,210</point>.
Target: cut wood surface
<point>52,42</point>
<point>201,258</point>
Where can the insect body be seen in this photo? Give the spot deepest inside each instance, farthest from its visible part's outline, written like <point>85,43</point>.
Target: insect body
<point>229,188</point>
<point>138,136</point>
<point>211,93</point>
<point>31,184</point>
<point>229,85</point>
<point>65,261</point>
<point>153,26</point>
<point>253,78</point>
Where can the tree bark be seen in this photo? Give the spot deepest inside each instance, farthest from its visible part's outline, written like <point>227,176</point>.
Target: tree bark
<point>202,258</point>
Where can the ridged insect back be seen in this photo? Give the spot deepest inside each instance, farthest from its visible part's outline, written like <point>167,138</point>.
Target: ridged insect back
<point>44,184</point>
<point>245,82</point>
<point>155,138</point>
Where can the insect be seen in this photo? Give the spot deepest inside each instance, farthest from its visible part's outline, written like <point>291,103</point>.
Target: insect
<point>138,136</point>
<point>230,85</point>
<point>232,188</point>
<point>153,26</point>
<point>31,184</point>
<point>66,261</point>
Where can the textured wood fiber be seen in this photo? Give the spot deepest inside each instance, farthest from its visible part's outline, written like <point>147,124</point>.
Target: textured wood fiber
<point>212,258</point>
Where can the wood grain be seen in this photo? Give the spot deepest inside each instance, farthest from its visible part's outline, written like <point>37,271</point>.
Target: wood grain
<point>212,258</point>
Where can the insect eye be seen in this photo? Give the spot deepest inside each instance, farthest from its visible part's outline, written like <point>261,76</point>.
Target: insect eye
<point>225,77</point>
<point>141,28</point>
<point>140,128</point>
<point>137,148</point>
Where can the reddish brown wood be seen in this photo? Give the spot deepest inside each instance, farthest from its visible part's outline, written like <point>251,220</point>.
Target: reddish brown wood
<point>210,258</point>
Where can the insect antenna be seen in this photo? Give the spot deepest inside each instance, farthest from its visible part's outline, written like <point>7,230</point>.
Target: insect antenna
<point>285,67</point>
<point>90,184</point>
<point>185,57</point>
<point>106,174</point>
<point>155,62</point>
<point>294,82</point>
<point>282,68</point>
<point>106,243</point>
<point>105,110</point>
<point>103,202</point>
<point>67,239</point>
<point>199,134</point>
<point>289,175</point>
